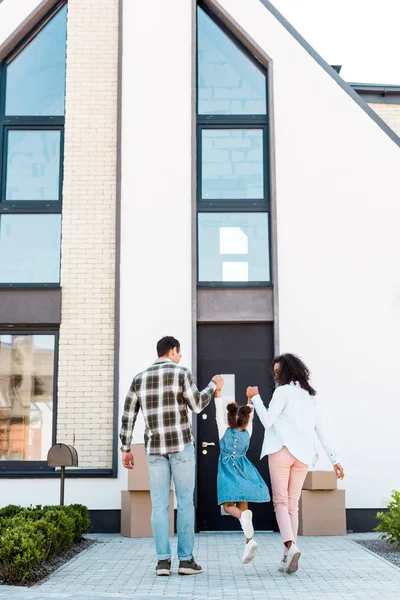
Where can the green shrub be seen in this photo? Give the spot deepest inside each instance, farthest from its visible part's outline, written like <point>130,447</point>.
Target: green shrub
<point>10,511</point>
<point>50,532</point>
<point>389,522</point>
<point>64,523</point>
<point>21,550</point>
<point>81,518</point>
<point>29,536</point>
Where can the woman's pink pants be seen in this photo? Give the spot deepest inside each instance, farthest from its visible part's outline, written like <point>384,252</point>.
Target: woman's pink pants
<point>287,478</point>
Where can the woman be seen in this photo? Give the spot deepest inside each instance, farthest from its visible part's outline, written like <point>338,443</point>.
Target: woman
<point>291,422</point>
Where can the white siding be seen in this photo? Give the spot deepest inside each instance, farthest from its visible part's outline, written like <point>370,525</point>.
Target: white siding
<point>156,295</point>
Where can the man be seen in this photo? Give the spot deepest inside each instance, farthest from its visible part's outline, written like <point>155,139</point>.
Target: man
<point>164,392</point>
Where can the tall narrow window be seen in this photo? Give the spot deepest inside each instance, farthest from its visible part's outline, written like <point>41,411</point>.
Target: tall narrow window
<point>32,99</point>
<point>233,182</point>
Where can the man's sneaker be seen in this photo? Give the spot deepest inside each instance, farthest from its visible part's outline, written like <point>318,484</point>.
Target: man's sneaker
<point>292,560</point>
<point>164,567</point>
<point>246,521</point>
<point>282,565</point>
<point>250,550</point>
<point>189,567</point>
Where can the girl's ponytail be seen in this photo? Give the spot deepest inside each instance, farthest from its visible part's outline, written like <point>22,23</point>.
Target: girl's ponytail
<point>243,416</point>
<point>238,416</point>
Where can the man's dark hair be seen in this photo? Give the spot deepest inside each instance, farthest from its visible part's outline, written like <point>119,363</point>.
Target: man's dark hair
<point>166,344</point>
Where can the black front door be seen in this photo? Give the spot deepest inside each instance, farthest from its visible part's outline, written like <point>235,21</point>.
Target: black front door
<point>243,355</point>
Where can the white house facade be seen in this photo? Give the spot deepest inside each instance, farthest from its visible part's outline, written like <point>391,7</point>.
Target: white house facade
<point>196,170</point>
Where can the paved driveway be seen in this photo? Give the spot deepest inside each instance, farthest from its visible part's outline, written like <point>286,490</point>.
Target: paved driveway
<point>332,568</point>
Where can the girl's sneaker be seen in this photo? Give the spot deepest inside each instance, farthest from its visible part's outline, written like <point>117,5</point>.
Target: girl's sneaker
<point>292,560</point>
<point>246,521</point>
<point>250,550</point>
<point>282,564</point>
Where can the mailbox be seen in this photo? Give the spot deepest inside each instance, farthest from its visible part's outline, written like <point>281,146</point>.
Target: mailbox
<point>62,455</point>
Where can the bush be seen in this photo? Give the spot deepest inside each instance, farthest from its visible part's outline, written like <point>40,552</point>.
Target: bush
<point>30,536</point>
<point>81,518</point>
<point>21,550</point>
<point>389,522</point>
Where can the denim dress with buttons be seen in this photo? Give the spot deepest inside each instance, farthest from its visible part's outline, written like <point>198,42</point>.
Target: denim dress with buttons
<point>238,479</point>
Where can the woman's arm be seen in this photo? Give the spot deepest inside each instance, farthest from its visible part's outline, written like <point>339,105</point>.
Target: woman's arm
<point>327,446</point>
<point>221,414</point>
<point>276,406</point>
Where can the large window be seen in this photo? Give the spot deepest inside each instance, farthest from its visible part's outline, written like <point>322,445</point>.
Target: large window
<point>233,182</point>
<point>27,396</point>
<point>32,97</point>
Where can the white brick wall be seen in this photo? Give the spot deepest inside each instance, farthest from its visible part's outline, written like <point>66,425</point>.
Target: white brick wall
<point>86,353</point>
<point>390,113</point>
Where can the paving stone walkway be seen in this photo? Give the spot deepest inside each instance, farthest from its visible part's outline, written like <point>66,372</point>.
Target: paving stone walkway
<point>332,568</point>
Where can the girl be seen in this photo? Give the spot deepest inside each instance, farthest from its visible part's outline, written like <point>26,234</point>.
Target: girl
<point>291,422</point>
<point>238,481</point>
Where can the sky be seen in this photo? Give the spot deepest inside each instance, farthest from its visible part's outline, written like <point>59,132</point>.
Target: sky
<point>361,35</point>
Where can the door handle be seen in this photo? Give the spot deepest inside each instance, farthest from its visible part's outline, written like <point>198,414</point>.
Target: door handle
<point>205,444</point>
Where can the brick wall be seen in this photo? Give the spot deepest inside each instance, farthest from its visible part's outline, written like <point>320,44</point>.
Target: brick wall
<point>86,352</point>
<point>390,113</point>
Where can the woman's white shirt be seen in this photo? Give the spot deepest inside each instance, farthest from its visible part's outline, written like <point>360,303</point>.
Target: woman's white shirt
<point>221,414</point>
<point>292,420</point>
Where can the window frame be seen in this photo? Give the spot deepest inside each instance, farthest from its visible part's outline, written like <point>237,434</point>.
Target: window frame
<point>234,205</point>
<point>218,121</point>
<point>42,122</point>
<point>9,467</point>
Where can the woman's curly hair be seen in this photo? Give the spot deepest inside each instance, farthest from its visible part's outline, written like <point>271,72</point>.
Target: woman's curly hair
<point>292,368</point>
<point>238,416</point>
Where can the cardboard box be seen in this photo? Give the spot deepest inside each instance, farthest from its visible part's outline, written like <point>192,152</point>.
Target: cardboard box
<point>136,514</point>
<point>138,478</point>
<point>322,512</point>
<point>320,480</point>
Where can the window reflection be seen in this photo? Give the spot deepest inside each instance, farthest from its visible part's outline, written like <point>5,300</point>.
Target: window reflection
<point>229,83</point>
<point>26,396</point>
<point>233,247</point>
<point>232,164</point>
<point>30,248</point>
<point>35,78</point>
<point>33,165</point>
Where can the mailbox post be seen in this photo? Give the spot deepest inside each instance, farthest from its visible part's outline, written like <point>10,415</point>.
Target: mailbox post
<point>62,455</point>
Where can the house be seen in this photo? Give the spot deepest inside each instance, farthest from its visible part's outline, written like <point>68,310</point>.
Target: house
<point>196,170</point>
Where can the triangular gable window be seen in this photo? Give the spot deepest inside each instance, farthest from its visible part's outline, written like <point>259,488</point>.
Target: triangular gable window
<point>35,76</point>
<point>229,82</point>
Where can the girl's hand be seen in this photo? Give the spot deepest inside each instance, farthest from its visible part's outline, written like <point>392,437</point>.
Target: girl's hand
<point>339,470</point>
<point>249,401</point>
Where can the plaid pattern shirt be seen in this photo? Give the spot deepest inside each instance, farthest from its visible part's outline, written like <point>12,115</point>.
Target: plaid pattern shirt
<point>164,392</point>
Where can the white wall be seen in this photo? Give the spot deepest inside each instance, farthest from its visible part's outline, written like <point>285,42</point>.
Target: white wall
<point>156,295</point>
<point>338,212</point>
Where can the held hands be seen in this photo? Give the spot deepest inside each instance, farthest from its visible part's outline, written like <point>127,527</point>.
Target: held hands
<point>339,471</point>
<point>127,460</point>
<point>251,392</point>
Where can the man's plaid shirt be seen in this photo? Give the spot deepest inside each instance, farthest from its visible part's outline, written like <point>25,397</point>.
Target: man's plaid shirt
<point>164,392</point>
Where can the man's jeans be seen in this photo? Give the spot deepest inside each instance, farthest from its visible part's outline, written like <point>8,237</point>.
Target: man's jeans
<point>182,467</point>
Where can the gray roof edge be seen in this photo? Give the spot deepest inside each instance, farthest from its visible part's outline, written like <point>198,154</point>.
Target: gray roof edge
<point>375,86</point>
<point>328,69</point>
